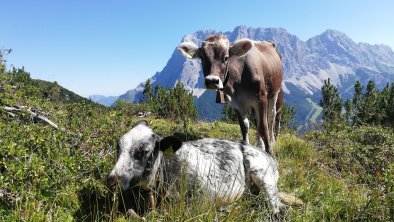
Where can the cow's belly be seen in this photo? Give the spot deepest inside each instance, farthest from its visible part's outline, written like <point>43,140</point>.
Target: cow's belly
<point>217,166</point>
<point>242,100</point>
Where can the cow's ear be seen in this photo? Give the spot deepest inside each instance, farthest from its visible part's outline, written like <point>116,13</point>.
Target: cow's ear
<point>241,47</point>
<point>189,50</point>
<point>167,142</point>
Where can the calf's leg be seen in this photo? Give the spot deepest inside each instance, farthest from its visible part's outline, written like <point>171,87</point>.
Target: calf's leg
<point>266,180</point>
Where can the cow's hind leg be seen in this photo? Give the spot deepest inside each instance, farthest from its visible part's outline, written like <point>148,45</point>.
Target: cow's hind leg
<point>262,125</point>
<point>279,104</point>
<point>271,119</point>
<point>244,124</point>
<point>277,123</point>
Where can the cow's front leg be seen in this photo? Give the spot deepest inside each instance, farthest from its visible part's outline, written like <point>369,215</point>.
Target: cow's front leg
<point>244,124</point>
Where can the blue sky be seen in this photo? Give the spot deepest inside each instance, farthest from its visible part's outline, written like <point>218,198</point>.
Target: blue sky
<point>107,47</point>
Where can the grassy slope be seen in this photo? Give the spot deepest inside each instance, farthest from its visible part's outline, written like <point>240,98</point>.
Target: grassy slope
<point>47,174</point>
<point>315,111</point>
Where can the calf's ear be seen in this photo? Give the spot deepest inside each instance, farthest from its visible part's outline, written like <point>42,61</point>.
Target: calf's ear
<point>241,47</point>
<point>189,50</point>
<point>167,142</point>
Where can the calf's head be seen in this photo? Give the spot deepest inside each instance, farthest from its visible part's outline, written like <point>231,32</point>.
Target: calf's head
<point>215,54</point>
<point>139,154</point>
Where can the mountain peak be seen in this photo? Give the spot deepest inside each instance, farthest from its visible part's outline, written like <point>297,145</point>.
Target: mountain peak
<point>332,32</point>
<point>306,65</point>
<point>240,32</point>
<point>333,36</point>
<point>198,36</point>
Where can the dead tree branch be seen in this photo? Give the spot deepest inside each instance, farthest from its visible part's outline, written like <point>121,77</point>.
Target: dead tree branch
<point>24,109</point>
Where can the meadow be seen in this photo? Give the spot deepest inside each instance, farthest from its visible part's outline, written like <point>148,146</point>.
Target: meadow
<point>341,173</point>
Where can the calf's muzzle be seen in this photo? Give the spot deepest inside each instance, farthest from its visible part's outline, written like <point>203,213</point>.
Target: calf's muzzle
<point>111,182</point>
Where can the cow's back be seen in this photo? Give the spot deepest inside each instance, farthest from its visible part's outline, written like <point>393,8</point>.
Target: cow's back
<point>259,72</point>
<point>217,165</point>
<point>267,66</point>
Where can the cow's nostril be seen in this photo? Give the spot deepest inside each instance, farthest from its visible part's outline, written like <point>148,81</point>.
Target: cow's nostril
<point>211,81</point>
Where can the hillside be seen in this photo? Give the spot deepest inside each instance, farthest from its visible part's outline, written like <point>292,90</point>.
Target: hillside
<point>58,174</point>
<point>306,65</point>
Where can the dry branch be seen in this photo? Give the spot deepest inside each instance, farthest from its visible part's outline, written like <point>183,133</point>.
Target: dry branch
<point>24,109</point>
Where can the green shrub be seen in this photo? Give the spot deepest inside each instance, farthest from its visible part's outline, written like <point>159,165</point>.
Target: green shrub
<point>363,157</point>
<point>47,174</point>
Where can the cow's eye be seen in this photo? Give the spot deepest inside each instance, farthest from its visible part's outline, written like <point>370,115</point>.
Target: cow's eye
<point>225,59</point>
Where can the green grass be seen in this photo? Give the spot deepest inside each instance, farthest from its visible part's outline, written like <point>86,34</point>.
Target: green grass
<point>315,111</point>
<point>343,174</point>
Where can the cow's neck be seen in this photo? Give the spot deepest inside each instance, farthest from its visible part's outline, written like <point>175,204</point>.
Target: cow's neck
<point>228,89</point>
<point>169,168</point>
<point>220,97</point>
<point>226,76</point>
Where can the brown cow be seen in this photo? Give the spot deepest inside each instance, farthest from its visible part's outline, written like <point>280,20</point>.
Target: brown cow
<point>249,73</point>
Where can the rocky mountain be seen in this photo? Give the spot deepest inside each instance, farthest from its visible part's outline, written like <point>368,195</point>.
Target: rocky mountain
<point>306,65</point>
<point>104,100</point>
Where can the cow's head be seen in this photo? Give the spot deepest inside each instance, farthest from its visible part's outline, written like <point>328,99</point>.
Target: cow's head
<point>139,155</point>
<point>215,53</point>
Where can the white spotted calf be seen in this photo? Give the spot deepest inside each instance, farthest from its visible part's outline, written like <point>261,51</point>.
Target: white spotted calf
<point>223,169</point>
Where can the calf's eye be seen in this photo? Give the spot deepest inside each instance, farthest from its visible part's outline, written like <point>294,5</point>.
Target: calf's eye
<point>140,154</point>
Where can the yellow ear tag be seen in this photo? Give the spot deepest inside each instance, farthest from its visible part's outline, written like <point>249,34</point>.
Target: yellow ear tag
<point>169,152</point>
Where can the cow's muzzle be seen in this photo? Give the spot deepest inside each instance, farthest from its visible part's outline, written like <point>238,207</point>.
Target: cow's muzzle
<point>213,82</point>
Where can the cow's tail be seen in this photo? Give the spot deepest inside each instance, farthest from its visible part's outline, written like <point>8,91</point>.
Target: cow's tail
<point>289,199</point>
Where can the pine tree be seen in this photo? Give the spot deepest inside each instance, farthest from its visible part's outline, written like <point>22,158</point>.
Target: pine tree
<point>358,88</point>
<point>390,110</point>
<point>229,115</point>
<point>373,107</point>
<point>182,105</point>
<point>369,104</point>
<point>174,103</point>
<point>148,94</point>
<point>331,102</point>
<point>348,110</point>
<point>287,117</point>
<point>383,105</point>
<point>160,102</point>
<point>3,54</point>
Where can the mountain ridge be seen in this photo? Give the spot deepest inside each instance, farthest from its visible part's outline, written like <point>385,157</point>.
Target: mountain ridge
<point>104,100</point>
<point>306,64</point>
